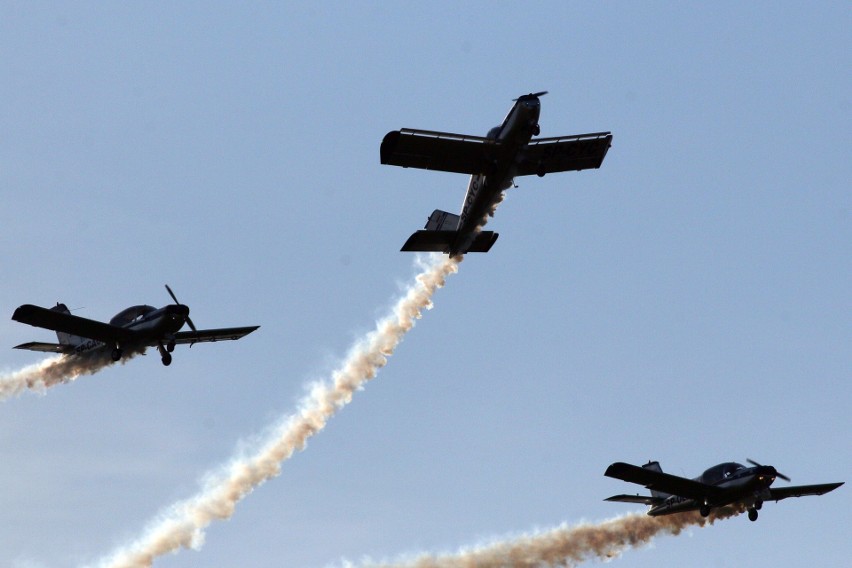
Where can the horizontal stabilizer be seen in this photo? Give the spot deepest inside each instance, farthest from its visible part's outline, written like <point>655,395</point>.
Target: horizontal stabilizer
<point>46,347</point>
<point>442,241</point>
<point>643,499</point>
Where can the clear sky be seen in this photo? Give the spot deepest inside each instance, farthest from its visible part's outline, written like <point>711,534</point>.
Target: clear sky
<point>688,302</point>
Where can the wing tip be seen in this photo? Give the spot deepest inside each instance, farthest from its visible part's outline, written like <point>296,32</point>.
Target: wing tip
<point>614,468</point>
<point>388,146</point>
<point>21,312</point>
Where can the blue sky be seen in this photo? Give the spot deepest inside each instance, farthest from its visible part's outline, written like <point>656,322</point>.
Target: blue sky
<point>688,302</point>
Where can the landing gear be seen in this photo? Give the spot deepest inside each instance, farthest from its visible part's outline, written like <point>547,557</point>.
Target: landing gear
<point>758,505</point>
<point>170,346</point>
<point>116,354</point>
<point>540,171</point>
<point>536,130</point>
<point>752,514</point>
<point>164,354</point>
<point>704,511</point>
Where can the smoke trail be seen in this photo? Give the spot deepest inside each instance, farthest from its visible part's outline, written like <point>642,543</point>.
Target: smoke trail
<point>55,370</point>
<point>183,524</point>
<point>568,545</point>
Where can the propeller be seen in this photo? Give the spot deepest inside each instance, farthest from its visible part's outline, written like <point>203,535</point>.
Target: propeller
<point>188,321</point>
<point>777,473</point>
<point>531,95</point>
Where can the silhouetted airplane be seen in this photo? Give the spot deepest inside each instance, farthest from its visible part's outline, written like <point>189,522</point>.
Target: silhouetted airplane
<point>721,485</point>
<point>492,162</point>
<point>135,328</point>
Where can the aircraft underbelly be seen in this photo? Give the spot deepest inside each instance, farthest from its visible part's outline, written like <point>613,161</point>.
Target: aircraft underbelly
<point>674,505</point>
<point>483,193</point>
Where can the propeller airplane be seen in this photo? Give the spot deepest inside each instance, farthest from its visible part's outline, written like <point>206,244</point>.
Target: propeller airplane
<point>132,329</point>
<point>724,484</point>
<point>493,162</point>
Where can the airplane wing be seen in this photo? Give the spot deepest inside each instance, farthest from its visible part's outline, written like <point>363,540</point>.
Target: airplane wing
<point>802,490</point>
<point>663,482</point>
<point>45,347</point>
<point>206,335</point>
<point>565,153</point>
<point>643,499</point>
<point>74,325</point>
<point>442,151</point>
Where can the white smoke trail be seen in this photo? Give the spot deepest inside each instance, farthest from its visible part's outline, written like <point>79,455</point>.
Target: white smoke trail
<point>183,524</point>
<point>55,370</point>
<point>567,545</point>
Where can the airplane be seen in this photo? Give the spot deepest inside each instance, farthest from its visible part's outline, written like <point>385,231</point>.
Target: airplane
<point>132,329</point>
<point>493,162</point>
<point>723,484</point>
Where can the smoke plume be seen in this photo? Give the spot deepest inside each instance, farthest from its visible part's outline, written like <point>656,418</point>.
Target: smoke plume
<point>182,525</point>
<point>568,545</point>
<point>55,370</point>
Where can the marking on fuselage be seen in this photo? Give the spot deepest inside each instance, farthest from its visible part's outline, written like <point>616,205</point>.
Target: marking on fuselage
<point>87,346</point>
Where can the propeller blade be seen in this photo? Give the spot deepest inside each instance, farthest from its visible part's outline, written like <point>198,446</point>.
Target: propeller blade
<point>172,294</point>
<point>531,95</point>
<point>752,462</point>
<point>188,321</point>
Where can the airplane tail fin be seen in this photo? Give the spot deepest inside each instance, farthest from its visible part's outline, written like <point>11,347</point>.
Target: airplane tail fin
<point>442,221</point>
<point>441,233</point>
<point>655,466</point>
<point>66,338</point>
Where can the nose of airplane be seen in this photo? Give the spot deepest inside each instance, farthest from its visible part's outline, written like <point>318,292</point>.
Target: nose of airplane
<point>767,473</point>
<point>179,310</point>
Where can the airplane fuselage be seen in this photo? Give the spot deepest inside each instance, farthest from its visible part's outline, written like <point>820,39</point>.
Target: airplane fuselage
<point>749,486</point>
<point>149,325</point>
<point>484,190</point>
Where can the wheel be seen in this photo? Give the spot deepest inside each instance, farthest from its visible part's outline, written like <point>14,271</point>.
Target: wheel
<point>167,359</point>
<point>536,130</point>
<point>758,505</point>
<point>116,354</point>
<point>540,171</point>
<point>704,511</point>
<point>752,515</point>
<point>170,346</point>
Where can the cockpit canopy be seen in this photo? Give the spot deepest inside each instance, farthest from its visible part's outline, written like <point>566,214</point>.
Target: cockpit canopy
<point>721,472</point>
<point>131,314</point>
